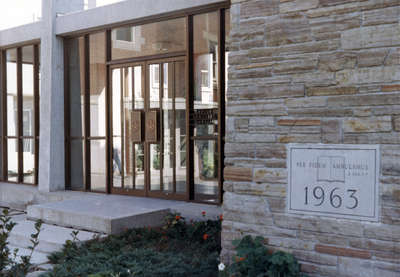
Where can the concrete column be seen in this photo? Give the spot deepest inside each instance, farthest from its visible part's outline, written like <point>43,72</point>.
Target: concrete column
<point>51,150</point>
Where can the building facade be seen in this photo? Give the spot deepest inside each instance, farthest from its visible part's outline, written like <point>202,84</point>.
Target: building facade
<point>304,75</point>
<point>286,113</point>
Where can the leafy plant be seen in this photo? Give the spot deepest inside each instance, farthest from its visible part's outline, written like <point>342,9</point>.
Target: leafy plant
<point>9,264</point>
<point>179,248</point>
<point>254,260</point>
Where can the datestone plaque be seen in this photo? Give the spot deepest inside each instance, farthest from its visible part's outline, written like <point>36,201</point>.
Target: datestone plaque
<point>334,180</point>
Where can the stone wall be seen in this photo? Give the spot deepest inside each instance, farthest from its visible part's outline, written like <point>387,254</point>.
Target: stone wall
<point>312,71</point>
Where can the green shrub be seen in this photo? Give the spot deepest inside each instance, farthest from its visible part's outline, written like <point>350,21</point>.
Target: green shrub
<point>9,266</point>
<point>254,260</point>
<point>178,249</point>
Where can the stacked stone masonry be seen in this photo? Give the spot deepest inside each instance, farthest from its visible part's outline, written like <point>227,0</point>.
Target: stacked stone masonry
<point>312,71</point>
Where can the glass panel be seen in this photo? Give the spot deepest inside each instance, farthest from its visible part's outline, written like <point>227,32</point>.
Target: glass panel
<point>77,164</point>
<point>117,132</point>
<point>126,128</point>
<point>29,160</point>
<point>180,126</point>
<point>206,170</point>
<point>76,85</point>
<point>206,73</point>
<point>98,165</point>
<point>117,163</point>
<point>98,75</point>
<point>154,85</point>
<point>28,114</point>
<point>12,145</point>
<point>116,101</point>
<point>139,95</point>
<point>168,128</point>
<point>149,39</point>
<point>139,166</point>
<point>12,119</point>
<point>155,166</point>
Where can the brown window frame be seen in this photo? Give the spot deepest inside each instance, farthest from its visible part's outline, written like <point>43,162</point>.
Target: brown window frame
<point>188,54</point>
<point>3,116</point>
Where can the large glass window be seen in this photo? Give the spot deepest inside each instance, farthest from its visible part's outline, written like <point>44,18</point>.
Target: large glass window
<point>206,105</point>
<point>149,39</point>
<point>20,133</point>
<point>87,74</point>
<point>145,108</point>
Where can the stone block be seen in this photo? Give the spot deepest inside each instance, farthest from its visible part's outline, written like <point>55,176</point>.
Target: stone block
<point>372,36</point>
<point>381,16</point>
<point>391,88</point>
<point>372,57</point>
<point>396,123</point>
<point>297,5</point>
<point>299,122</point>
<point>355,267</point>
<point>331,131</point>
<point>305,102</point>
<point>238,174</point>
<point>317,258</point>
<point>258,108</point>
<point>321,112</point>
<point>287,29</point>
<point>270,175</point>
<point>324,91</point>
<point>342,251</point>
<point>385,74</point>
<point>364,100</point>
<point>259,8</point>
<point>295,66</point>
<point>367,125</point>
<point>383,232</point>
<point>337,61</point>
<point>274,91</point>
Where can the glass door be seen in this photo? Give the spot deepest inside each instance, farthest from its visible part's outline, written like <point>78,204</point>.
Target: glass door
<point>128,147</point>
<point>148,108</point>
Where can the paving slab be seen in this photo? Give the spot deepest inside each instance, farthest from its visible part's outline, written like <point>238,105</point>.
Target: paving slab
<point>112,214</point>
<point>51,238</point>
<point>38,258</point>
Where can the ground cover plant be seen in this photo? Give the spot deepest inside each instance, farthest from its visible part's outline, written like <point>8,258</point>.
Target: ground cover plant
<point>179,248</point>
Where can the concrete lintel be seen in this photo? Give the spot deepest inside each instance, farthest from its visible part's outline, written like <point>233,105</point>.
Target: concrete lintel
<point>123,12</point>
<point>21,34</point>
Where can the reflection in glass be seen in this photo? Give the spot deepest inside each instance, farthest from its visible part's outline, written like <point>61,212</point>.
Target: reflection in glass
<point>139,166</point>
<point>154,85</point>
<point>76,85</point>
<point>77,162</point>
<point>206,73</point>
<point>117,162</point>
<point>28,113</point>
<point>149,39</point>
<point>12,116</point>
<point>98,165</point>
<point>98,69</point>
<point>28,146</point>
<point>12,145</point>
<point>180,126</point>
<point>168,129</point>
<point>155,166</point>
<point>139,95</point>
<point>206,170</point>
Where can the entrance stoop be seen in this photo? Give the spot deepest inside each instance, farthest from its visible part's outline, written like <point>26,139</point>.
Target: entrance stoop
<point>112,214</point>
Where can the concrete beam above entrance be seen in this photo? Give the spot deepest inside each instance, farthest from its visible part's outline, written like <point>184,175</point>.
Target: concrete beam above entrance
<point>21,34</point>
<point>123,12</point>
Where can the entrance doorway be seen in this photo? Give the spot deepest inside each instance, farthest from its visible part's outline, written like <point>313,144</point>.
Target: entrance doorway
<point>148,125</point>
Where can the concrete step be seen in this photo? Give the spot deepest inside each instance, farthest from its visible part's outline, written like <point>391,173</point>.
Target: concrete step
<point>51,238</point>
<point>103,214</point>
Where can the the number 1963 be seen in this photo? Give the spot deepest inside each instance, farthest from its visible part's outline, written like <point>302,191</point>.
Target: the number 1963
<point>335,199</point>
